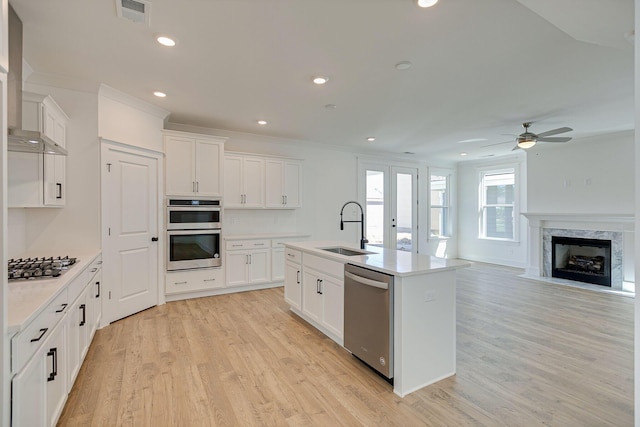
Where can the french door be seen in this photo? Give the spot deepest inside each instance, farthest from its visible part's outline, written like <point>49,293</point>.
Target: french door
<point>391,203</point>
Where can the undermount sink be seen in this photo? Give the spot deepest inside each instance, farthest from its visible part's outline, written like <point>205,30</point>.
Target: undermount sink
<point>346,251</point>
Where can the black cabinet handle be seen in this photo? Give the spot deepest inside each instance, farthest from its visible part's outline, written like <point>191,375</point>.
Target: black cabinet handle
<point>42,332</point>
<point>61,308</point>
<point>59,185</point>
<point>154,239</point>
<point>298,277</point>
<point>84,314</point>
<point>320,287</point>
<point>98,285</point>
<point>53,352</point>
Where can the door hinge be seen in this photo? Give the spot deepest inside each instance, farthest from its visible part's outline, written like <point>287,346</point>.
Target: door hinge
<point>108,167</point>
<point>109,231</point>
<point>109,294</point>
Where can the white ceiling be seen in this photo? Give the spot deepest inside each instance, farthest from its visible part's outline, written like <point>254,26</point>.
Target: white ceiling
<point>480,68</point>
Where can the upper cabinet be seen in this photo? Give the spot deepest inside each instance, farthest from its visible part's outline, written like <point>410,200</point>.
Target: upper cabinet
<point>259,182</point>
<point>39,180</point>
<point>283,183</point>
<point>193,164</point>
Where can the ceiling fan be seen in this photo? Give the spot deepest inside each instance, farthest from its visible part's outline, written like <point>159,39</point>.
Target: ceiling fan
<point>529,139</point>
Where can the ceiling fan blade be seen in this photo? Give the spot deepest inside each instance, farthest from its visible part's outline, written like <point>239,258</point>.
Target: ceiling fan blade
<point>516,148</point>
<point>556,139</point>
<point>554,132</point>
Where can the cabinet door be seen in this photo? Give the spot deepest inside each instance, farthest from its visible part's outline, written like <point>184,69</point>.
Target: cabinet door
<point>292,182</point>
<point>333,305</point>
<point>180,174</point>
<point>311,297</point>
<point>259,266</point>
<point>237,268</point>
<point>233,196</point>
<point>208,171</point>
<point>55,189</point>
<point>25,179</point>
<point>74,359</point>
<point>293,285</point>
<point>274,191</point>
<point>56,371</point>
<point>253,182</point>
<point>96,294</point>
<point>277,264</point>
<point>28,387</point>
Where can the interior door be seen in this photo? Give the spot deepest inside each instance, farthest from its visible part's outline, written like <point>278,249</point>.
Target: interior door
<point>130,215</point>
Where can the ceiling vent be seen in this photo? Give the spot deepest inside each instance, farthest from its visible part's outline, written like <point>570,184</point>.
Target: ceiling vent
<point>134,10</point>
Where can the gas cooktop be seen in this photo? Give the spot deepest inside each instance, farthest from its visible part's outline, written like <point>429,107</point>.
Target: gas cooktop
<point>39,268</point>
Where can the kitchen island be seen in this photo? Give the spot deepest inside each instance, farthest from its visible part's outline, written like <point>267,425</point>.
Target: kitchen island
<point>424,311</point>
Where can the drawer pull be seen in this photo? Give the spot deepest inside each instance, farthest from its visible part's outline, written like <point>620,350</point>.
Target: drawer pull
<point>98,285</point>
<point>53,352</point>
<point>237,246</point>
<point>42,332</point>
<point>62,307</point>
<point>258,244</point>
<point>180,283</point>
<point>93,270</point>
<point>84,314</point>
<point>209,280</point>
<point>291,255</point>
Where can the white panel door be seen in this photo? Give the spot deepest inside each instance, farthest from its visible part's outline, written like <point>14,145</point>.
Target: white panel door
<point>253,182</point>
<point>233,196</point>
<point>130,212</point>
<point>292,178</point>
<point>274,171</point>
<point>208,176</point>
<point>180,174</point>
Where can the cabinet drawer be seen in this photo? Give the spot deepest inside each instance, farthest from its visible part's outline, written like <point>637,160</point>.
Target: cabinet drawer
<point>324,265</point>
<point>78,284</point>
<point>233,245</point>
<point>27,342</point>
<point>194,280</point>
<point>293,255</point>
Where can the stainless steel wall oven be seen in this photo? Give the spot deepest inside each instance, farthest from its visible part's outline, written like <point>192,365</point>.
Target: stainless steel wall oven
<point>193,233</point>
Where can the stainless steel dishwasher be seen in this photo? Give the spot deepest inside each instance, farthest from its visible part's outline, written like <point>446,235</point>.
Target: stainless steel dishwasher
<point>368,317</point>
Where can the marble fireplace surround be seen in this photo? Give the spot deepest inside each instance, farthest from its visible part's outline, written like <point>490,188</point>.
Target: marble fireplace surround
<point>618,228</point>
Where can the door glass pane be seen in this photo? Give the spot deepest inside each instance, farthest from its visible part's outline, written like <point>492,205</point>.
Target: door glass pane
<point>375,207</point>
<point>404,212</point>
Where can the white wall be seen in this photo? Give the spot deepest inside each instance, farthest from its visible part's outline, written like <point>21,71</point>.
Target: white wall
<point>76,227</point>
<point>636,210</point>
<point>470,246</point>
<point>592,175</point>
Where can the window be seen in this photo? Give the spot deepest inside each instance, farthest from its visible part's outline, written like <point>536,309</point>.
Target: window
<point>498,204</point>
<point>439,205</point>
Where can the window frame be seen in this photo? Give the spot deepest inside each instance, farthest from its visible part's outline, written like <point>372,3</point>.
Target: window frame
<point>446,208</point>
<point>482,228</point>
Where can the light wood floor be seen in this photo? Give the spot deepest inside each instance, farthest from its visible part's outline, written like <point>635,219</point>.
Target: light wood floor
<point>529,353</point>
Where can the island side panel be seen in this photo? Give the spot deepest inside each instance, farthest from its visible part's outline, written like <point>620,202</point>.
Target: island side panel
<point>424,330</point>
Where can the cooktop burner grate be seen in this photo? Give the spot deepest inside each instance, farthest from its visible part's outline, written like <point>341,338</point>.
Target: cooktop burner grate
<point>38,268</point>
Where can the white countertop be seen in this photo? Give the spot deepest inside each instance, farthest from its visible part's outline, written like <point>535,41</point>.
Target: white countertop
<point>265,236</point>
<point>27,298</point>
<point>390,261</point>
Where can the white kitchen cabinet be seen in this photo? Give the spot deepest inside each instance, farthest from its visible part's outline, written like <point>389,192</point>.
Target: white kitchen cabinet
<point>96,294</point>
<point>39,391</point>
<point>243,181</point>
<point>282,178</point>
<point>248,262</point>
<point>277,264</point>
<point>293,282</point>
<point>193,164</point>
<point>39,180</point>
<point>323,293</point>
<point>194,280</point>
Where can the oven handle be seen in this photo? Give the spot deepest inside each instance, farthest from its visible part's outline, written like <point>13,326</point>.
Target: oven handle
<point>365,281</point>
<point>194,208</point>
<point>184,232</point>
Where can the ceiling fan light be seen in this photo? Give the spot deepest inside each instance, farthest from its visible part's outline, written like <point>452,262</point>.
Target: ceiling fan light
<point>427,3</point>
<point>526,143</point>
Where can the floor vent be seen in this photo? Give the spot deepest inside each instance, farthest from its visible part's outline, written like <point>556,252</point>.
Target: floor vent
<point>134,10</point>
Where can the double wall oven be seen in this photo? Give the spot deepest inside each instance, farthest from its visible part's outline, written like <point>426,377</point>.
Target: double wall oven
<point>193,233</point>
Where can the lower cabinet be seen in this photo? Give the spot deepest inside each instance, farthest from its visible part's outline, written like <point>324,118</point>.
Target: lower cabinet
<point>277,264</point>
<point>293,284</point>
<point>248,262</point>
<point>39,391</point>
<point>194,280</point>
<point>48,353</point>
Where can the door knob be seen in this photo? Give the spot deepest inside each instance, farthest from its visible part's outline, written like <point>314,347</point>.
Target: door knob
<point>154,239</point>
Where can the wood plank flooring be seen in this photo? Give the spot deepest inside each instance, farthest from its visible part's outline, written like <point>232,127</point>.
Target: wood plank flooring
<point>529,353</point>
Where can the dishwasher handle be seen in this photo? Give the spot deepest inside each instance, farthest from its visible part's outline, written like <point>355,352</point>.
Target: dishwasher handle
<point>365,281</point>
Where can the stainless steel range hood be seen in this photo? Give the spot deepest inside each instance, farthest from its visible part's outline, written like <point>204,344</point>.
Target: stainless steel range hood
<point>18,139</point>
<point>29,141</point>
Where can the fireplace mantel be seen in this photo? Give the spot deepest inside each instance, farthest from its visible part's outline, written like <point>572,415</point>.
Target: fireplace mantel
<point>539,221</point>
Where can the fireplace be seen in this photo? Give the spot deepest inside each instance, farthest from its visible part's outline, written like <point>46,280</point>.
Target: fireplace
<point>581,259</point>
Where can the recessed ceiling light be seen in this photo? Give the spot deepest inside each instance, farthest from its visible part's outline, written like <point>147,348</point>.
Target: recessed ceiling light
<point>463,154</point>
<point>371,139</point>
<point>262,122</point>
<point>165,40</point>
<point>427,3</point>
<point>403,65</point>
<point>320,80</point>
<point>160,94</point>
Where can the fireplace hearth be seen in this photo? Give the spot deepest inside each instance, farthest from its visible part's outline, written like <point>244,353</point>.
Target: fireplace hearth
<point>580,259</point>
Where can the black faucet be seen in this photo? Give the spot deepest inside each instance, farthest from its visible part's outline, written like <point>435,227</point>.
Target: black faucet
<point>363,240</point>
